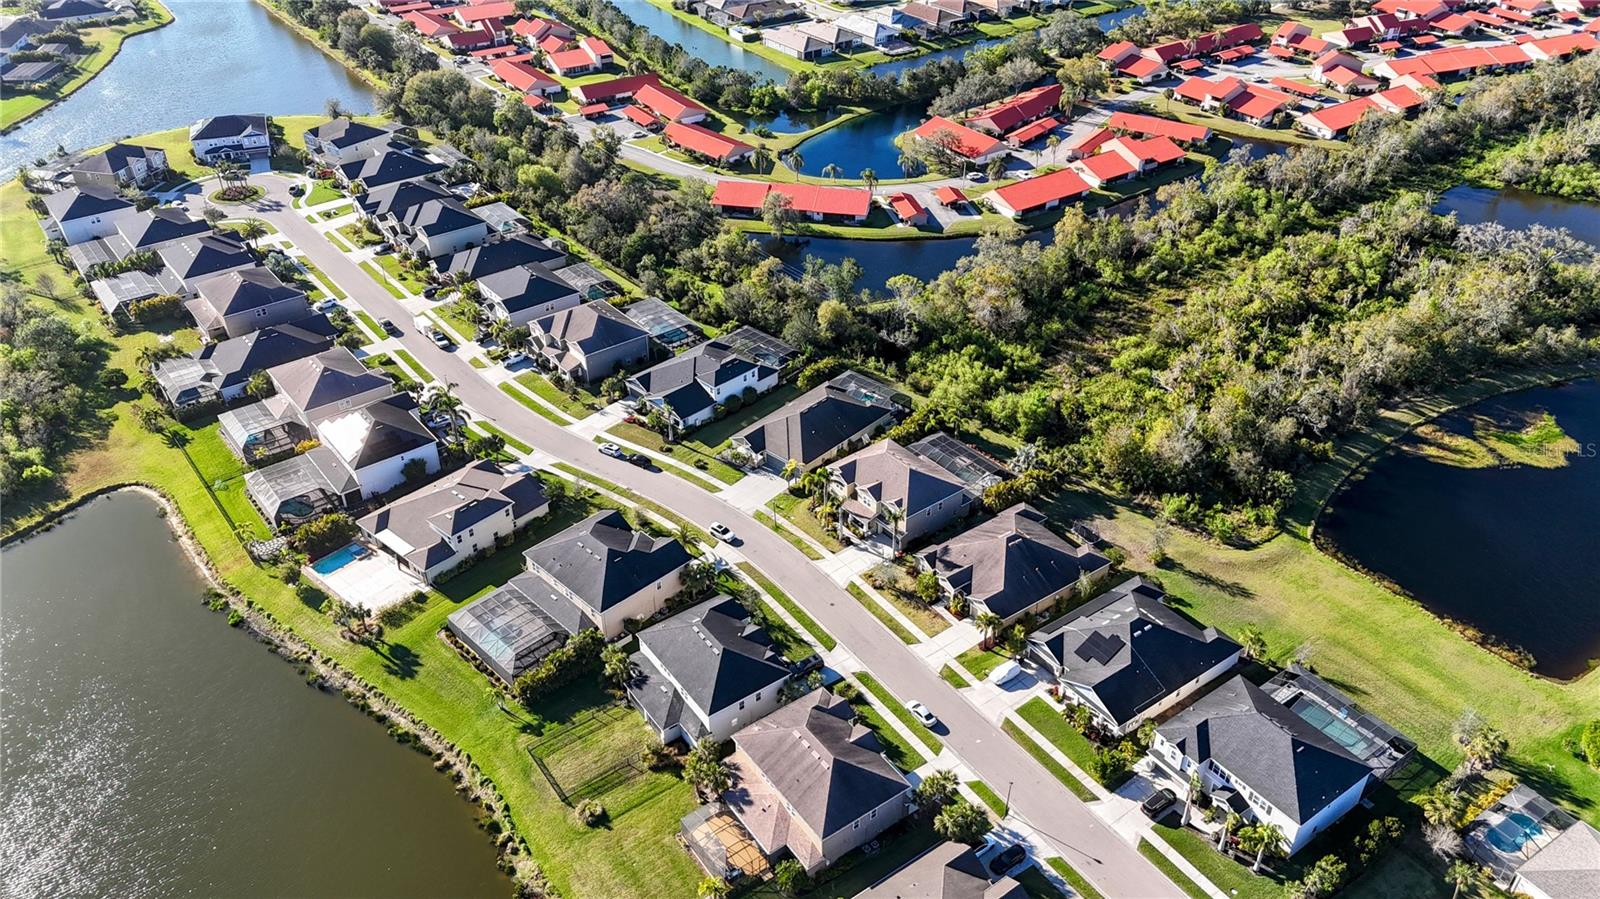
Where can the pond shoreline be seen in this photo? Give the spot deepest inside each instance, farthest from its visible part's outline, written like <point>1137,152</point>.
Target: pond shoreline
<point>327,675</point>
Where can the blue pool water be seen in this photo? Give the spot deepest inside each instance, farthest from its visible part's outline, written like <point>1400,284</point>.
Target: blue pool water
<point>1514,831</point>
<point>339,558</point>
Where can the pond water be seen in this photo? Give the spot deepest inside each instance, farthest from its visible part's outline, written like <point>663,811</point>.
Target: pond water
<point>895,66</point>
<point>1519,208</point>
<point>883,259</point>
<point>866,141</point>
<point>151,750</point>
<point>1511,551</point>
<point>217,56</point>
<point>788,121</point>
<point>703,45</point>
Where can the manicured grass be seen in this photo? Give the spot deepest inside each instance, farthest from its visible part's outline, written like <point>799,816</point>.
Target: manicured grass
<point>572,406</point>
<point>716,434</point>
<point>1073,878</point>
<point>1036,885</point>
<point>690,452</point>
<point>681,472</point>
<point>678,521</point>
<point>412,363</point>
<point>1228,875</point>
<point>794,539</point>
<point>1053,727</point>
<point>899,710</point>
<point>336,240</point>
<point>926,618</point>
<point>511,441</point>
<point>982,662</point>
<point>989,797</point>
<point>953,678</point>
<point>316,273</point>
<point>532,404</point>
<point>101,46</point>
<point>477,362</point>
<point>1044,758</point>
<point>358,234</point>
<point>882,614</point>
<point>323,192</point>
<point>369,323</point>
<point>397,271</point>
<point>223,475</point>
<point>1165,866</point>
<point>335,212</point>
<point>383,282</point>
<point>795,509</point>
<point>789,605</point>
<point>897,748</point>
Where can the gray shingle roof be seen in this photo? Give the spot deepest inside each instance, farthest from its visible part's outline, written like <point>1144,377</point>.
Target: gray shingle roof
<point>225,363</point>
<point>591,327</point>
<point>236,125</point>
<point>196,257</point>
<point>425,519</point>
<point>325,378</point>
<point>1130,649</point>
<point>1266,747</point>
<point>684,381</point>
<point>397,199</point>
<point>439,216</point>
<point>158,226</point>
<point>525,287</point>
<point>345,132</point>
<point>114,158</point>
<point>479,262</point>
<point>714,652</point>
<point>1568,867</point>
<point>604,560</point>
<point>1011,561</point>
<point>79,202</point>
<point>829,769</point>
<point>243,290</point>
<point>947,871</point>
<point>388,168</point>
<point>817,422</point>
<point>892,474</point>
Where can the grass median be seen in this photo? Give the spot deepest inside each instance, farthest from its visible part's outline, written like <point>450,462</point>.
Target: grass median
<point>799,614</point>
<point>1043,757</point>
<point>899,710</point>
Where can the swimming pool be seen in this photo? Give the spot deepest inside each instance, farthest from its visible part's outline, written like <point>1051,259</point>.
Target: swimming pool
<point>339,558</point>
<point>1513,831</point>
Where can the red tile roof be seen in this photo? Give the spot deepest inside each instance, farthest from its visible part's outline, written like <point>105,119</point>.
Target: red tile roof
<point>502,9</point>
<point>567,60</point>
<point>477,37</point>
<point>1106,166</point>
<point>1156,127</point>
<point>522,76</point>
<point>969,143</point>
<point>535,101</point>
<point>593,109</point>
<point>1340,116</point>
<point>1033,131</point>
<point>504,50</point>
<point>1257,104</point>
<point>1200,90</point>
<point>1088,143</point>
<point>1118,50</point>
<point>906,206</point>
<point>1140,66</point>
<point>704,141</point>
<point>950,196</point>
<point>1294,87</point>
<point>553,43</point>
<point>1035,193</point>
<point>807,198</point>
<point>666,102</point>
<point>429,24</point>
<point>640,116</point>
<point>1024,107</point>
<point>615,87</point>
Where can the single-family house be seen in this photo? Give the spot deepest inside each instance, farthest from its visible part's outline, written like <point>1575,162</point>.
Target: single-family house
<point>706,672</point>
<point>156,228</point>
<point>689,388</point>
<point>194,259</point>
<point>81,214</point>
<point>817,202</point>
<point>589,341</point>
<point>795,41</point>
<point>499,255</point>
<point>875,33</point>
<point>121,165</point>
<point>891,494</point>
<point>387,168</point>
<point>1014,112</point>
<point>1128,657</point>
<point>526,292</point>
<point>344,140</point>
<point>438,227</point>
<point>233,138</point>
<point>727,13</point>
<point>929,19</point>
<point>820,424</point>
<point>244,300</point>
<point>21,33</point>
<point>220,371</point>
<point>949,870</point>
<point>609,571</point>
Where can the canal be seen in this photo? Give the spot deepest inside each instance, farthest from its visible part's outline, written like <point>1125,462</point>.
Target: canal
<point>153,751</point>
<point>1511,550</point>
<point>217,56</point>
<point>712,49</point>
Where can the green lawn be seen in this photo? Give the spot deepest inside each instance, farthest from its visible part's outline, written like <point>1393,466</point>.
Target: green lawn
<point>511,441</point>
<point>369,323</point>
<point>410,279</point>
<point>689,452</point>
<point>1166,867</point>
<point>223,474</point>
<point>953,678</point>
<point>335,212</point>
<point>477,362</point>
<point>715,435</point>
<point>899,710</point>
<point>1229,876</point>
<point>857,870</point>
<point>532,404</point>
<point>579,406</point>
<point>359,235</point>
<point>989,797</point>
<point>793,608</point>
<point>794,539</point>
<point>1044,758</point>
<point>1054,727</point>
<point>795,510</point>
<point>926,618</point>
<point>322,192</point>
<point>102,45</point>
<point>882,614</point>
<point>384,282</point>
<point>412,363</point>
<point>981,662</point>
<point>897,748</point>
<point>1036,885</point>
<point>1073,878</point>
<point>678,521</point>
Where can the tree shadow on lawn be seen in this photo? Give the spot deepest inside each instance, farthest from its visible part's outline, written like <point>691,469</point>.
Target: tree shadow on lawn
<point>1549,783</point>
<point>1221,585</point>
<point>399,660</point>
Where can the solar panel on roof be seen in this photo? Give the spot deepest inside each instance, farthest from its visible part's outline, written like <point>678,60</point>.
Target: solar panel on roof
<point>1100,648</point>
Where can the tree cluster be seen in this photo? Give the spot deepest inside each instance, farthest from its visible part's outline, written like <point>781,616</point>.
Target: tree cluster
<point>50,390</point>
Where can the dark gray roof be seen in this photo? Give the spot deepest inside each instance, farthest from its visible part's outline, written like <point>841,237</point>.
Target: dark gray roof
<point>69,9</point>
<point>591,327</point>
<point>817,422</point>
<point>390,431</point>
<point>324,379</point>
<point>715,654</point>
<point>159,225</point>
<point>24,26</point>
<point>525,287</point>
<point>830,769</point>
<point>479,262</point>
<point>225,363</point>
<point>947,871</point>
<point>79,202</point>
<point>439,216</point>
<point>1011,561</point>
<point>1130,649</point>
<point>244,290</point>
<point>507,629</point>
<point>114,158</point>
<point>1266,747</point>
<point>30,72</point>
<point>388,167</point>
<point>427,518</point>
<point>892,474</point>
<point>205,254</point>
<point>604,560</point>
<point>1568,867</point>
<point>397,199</point>
<point>228,126</point>
<point>345,132</point>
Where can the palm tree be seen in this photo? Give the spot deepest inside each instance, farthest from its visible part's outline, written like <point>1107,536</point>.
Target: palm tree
<point>252,230</point>
<point>1462,875</point>
<point>761,159</point>
<point>870,179</point>
<point>212,215</point>
<point>1261,839</point>
<point>1229,824</point>
<point>698,578</point>
<point>910,166</point>
<point>1189,796</point>
<point>794,161</point>
<point>1442,806</point>
<point>832,171</point>
<point>57,248</point>
<point>990,624</point>
<point>714,888</point>
<point>443,399</point>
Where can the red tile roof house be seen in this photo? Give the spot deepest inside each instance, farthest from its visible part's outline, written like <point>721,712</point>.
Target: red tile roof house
<point>461,41</point>
<point>1343,72</point>
<point>523,77</point>
<point>822,204</point>
<point>591,55</point>
<point>705,143</point>
<point>974,146</point>
<point>1037,194</point>
<point>537,29</point>
<point>491,16</point>
<point>615,89</point>
<point>430,24</point>
<point>669,104</point>
<point>950,197</point>
<point>1333,121</point>
<point>1087,144</point>
<point>1126,59</point>
<point>907,210</point>
<point>1151,126</point>
<point>1014,112</point>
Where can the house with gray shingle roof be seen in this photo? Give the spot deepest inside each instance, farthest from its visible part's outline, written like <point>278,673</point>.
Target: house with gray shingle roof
<point>1286,771</point>
<point>497,256</point>
<point>589,341</point>
<point>887,492</point>
<point>820,424</point>
<point>813,780</point>
<point>512,628</point>
<point>194,259</point>
<point>524,293</point>
<point>949,870</point>
<point>344,139</point>
<point>79,215</point>
<point>706,672</point>
<point>609,571</point>
<point>386,168</point>
<point>688,387</point>
<point>220,370</point>
<point>1012,565</point>
<point>244,300</point>
<point>233,138</point>
<point>433,530</point>
<point>1567,868</point>
<point>121,165</point>
<point>1129,657</point>
<point>156,228</point>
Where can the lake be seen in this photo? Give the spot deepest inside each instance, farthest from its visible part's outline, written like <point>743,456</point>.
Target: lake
<point>151,750</point>
<point>217,56</point>
<point>864,142</point>
<point>1516,208</point>
<point>1512,551</point>
<point>883,259</point>
<point>713,49</point>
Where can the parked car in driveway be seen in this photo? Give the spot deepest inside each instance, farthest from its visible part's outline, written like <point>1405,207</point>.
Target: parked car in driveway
<point>1005,671</point>
<point>327,305</point>
<point>1009,857</point>
<point>516,358</point>
<point>1158,804</point>
<point>612,450</point>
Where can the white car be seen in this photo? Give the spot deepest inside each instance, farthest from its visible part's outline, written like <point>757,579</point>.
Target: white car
<point>1006,671</point>
<point>612,450</point>
<point>516,358</point>
<point>721,532</point>
<point>921,713</point>
<point>327,305</point>
<point>639,134</point>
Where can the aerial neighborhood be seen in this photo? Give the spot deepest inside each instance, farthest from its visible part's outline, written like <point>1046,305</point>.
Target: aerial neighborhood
<point>861,450</point>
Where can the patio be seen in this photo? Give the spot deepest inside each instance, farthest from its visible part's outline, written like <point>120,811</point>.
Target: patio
<point>373,581</point>
<point>722,845</point>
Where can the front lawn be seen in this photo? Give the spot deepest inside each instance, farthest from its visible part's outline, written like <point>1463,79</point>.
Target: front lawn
<point>359,234</point>
<point>717,433</point>
<point>982,662</point>
<point>1043,757</point>
<point>691,452</point>
<point>1228,875</point>
<point>796,510</point>
<point>323,192</point>
<point>1165,866</point>
<point>882,614</point>
<point>795,540</point>
<point>578,404</point>
<point>1053,726</point>
<point>896,588</point>
<point>897,748</point>
<point>405,275</point>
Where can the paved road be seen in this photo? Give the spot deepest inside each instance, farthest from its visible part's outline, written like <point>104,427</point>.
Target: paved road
<point>1088,845</point>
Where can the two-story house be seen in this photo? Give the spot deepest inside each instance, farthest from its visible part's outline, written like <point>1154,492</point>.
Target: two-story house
<point>433,530</point>
<point>821,423</point>
<point>79,215</point>
<point>384,169</point>
<point>220,371</point>
<point>230,138</point>
<point>609,571</point>
<point>1012,565</point>
<point>121,165</point>
<point>439,227</point>
<point>1128,657</point>
<point>811,780</point>
<point>199,257</point>
<point>481,261</point>
<point>589,341</point>
<point>343,140</point>
<point>523,293</point>
<point>891,494</point>
<point>245,300</point>
<point>689,387</point>
<point>706,672</point>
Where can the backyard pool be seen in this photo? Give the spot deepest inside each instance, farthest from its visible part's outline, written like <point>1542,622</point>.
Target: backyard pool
<point>1512,832</point>
<point>340,557</point>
